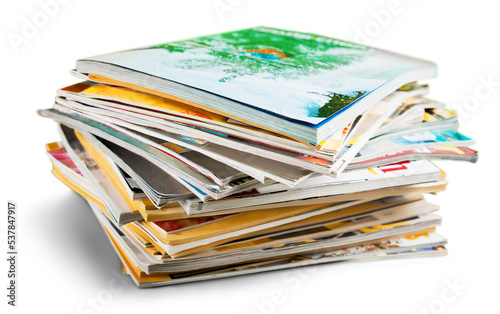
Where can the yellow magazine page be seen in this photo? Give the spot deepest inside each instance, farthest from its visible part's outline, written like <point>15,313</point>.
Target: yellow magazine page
<point>137,231</point>
<point>52,146</point>
<point>140,239</point>
<point>106,80</point>
<point>228,224</point>
<point>168,212</point>
<point>103,163</point>
<point>150,100</point>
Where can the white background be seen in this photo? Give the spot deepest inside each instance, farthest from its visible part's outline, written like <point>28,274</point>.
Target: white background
<point>65,260</point>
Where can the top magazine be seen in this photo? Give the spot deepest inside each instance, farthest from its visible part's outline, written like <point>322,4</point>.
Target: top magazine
<point>302,85</point>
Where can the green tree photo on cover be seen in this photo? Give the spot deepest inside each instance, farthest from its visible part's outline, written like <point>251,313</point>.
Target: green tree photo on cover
<point>336,103</point>
<point>268,54</point>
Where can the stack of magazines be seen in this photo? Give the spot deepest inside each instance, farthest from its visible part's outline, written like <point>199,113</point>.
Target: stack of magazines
<point>255,150</point>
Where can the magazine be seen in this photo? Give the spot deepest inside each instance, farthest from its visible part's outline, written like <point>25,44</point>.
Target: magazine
<point>300,84</point>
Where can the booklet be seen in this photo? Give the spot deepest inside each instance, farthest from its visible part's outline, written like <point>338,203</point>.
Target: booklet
<point>306,86</point>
